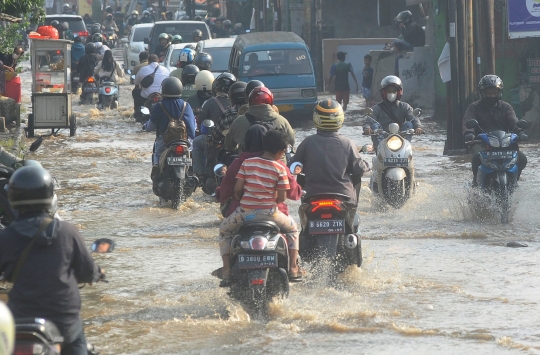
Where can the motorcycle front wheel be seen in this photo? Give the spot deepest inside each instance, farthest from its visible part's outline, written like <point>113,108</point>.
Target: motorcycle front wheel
<point>396,193</point>
<point>503,200</point>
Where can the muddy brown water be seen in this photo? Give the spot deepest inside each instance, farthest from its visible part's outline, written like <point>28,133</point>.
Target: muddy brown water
<point>435,279</point>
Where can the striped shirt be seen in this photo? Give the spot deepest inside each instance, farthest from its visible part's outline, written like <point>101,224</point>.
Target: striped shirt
<point>262,178</point>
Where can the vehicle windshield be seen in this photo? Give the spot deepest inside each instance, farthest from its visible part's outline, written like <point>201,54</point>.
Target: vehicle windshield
<point>174,57</point>
<point>276,62</point>
<point>182,29</point>
<point>141,33</point>
<point>76,24</point>
<point>220,58</point>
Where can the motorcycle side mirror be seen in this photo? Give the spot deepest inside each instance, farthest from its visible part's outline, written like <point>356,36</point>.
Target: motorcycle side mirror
<point>133,77</point>
<point>522,124</point>
<point>367,112</point>
<point>103,245</point>
<point>36,144</point>
<point>128,71</point>
<point>145,110</point>
<point>296,168</point>
<point>208,123</point>
<point>220,170</point>
<point>417,112</point>
<point>289,148</point>
<point>367,149</point>
<point>471,124</point>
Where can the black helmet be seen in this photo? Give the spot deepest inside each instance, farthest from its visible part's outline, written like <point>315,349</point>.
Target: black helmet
<point>490,81</point>
<point>55,23</point>
<point>203,61</point>
<point>236,93</point>
<point>171,87</point>
<point>97,37</point>
<point>227,24</point>
<point>189,73</point>
<point>198,18</point>
<point>77,39</point>
<point>31,188</point>
<point>196,33</point>
<point>65,25</point>
<point>169,15</point>
<point>109,9</point>
<point>223,82</point>
<point>89,48</point>
<point>190,46</point>
<point>404,16</point>
<point>250,86</point>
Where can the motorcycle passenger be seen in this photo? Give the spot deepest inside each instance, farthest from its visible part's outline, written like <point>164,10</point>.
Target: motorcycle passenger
<point>260,111</point>
<point>108,10</point>
<point>108,68</point>
<point>412,32</point>
<point>391,110</point>
<point>224,122</point>
<point>143,61</point>
<point>329,159</point>
<point>163,46</point>
<point>171,90</point>
<point>45,279</point>
<point>161,73</point>
<point>189,74</point>
<point>492,114</point>
<point>87,63</point>
<point>196,36</point>
<point>68,34</point>
<point>261,183</point>
<point>133,19</point>
<point>203,61</point>
<point>186,57</point>
<point>146,18</point>
<point>77,51</point>
<point>177,39</point>
<point>59,28</point>
<point>252,84</point>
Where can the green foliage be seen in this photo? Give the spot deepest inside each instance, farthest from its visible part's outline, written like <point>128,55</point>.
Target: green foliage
<point>33,10</point>
<point>10,35</point>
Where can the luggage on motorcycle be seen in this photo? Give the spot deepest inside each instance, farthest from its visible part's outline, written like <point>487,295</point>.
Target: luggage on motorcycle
<point>149,79</point>
<point>176,129</point>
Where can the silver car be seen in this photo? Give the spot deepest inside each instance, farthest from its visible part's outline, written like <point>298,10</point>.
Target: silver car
<point>134,44</point>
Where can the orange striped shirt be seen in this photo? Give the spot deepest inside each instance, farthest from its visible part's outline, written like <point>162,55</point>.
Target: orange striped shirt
<point>262,178</point>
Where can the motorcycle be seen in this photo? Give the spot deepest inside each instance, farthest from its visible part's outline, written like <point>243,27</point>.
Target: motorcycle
<point>89,88</point>
<point>498,172</point>
<point>392,180</point>
<point>75,80</point>
<point>108,91</point>
<point>111,36</point>
<point>330,227</point>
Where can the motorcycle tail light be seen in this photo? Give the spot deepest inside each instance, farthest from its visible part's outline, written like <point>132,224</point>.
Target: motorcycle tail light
<point>83,33</point>
<point>91,80</point>
<point>334,204</point>
<point>179,149</point>
<point>58,52</point>
<point>156,98</point>
<point>258,243</point>
<point>326,215</point>
<point>28,349</point>
<point>107,89</point>
<point>257,282</point>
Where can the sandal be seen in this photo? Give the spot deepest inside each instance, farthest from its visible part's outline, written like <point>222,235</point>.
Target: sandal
<point>225,282</point>
<point>296,277</point>
<point>218,273</point>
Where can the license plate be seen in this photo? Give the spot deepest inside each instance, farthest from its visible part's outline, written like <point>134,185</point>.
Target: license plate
<point>178,161</point>
<point>257,261</point>
<point>285,108</point>
<point>90,89</point>
<point>500,155</point>
<point>399,162</point>
<point>328,226</point>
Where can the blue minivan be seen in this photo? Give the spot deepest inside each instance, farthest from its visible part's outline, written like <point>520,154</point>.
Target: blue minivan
<point>282,62</point>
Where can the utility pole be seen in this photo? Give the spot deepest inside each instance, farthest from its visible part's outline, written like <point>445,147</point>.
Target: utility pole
<point>307,30</point>
<point>489,8</point>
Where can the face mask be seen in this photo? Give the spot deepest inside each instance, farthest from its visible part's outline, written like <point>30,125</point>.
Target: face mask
<point>491,101</point>
<point>15,56</point>
<point>391,97</point>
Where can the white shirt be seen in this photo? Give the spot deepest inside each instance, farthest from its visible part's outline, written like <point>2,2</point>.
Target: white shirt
<point>161,74</point>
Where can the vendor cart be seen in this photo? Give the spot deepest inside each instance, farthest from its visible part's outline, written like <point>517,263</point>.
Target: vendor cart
<point>51,86</point>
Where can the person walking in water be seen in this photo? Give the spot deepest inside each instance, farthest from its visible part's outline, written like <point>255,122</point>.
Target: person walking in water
<point>341,71</point>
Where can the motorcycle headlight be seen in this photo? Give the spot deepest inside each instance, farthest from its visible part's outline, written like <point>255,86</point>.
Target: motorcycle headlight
<point>510,163</point>
<point>394,143</point>
<point>506,142</point>
<point>494,142</point>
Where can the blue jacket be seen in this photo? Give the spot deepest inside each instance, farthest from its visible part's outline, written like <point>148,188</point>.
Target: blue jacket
<point>77,51</point>
<point>174,108</point>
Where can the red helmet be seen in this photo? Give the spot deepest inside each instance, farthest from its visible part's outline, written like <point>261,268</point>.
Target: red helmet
<point>261,95</point>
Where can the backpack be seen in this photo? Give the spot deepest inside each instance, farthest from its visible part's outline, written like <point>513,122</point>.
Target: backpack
<point>270,124</point>
<point>176,128</point>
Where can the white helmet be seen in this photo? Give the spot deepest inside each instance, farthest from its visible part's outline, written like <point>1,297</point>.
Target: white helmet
<point>135,12</point>
<point>7,330</point>
<point>204,80</point>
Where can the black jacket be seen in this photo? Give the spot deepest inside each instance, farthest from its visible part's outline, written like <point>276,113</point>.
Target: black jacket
<point>86,66</point>
<point>46,286</point>
<point>414,34</point>
<point>499,117</point>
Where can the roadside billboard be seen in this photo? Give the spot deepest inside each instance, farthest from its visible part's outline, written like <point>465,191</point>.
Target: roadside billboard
<point>523,18</point>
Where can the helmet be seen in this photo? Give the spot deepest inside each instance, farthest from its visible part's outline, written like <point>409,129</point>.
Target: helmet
<point>236,93</point>
<point>204,80</point>
<point>55,23</point>
<point>196,33</point>
<point>66,7</point>
<point>190,46</point>
<point>328,115</point>
<point>65,25</point>
<point>227,23</point>
<point>146,13</point>
<point>109,9</point>
<point>165,35</point>
<point>169,15</point>
<point>109,17</point>
<point>203,61</point>
<point>490,81</point>
<point>189,73</point>
<point>223,82</point>
<point>135,12</point>
<point>97,37</point>
<point>404,16</point>
<point>391,80</point>
<point>89,48</point>
<point>31,188</point>
<point>261,95</point>
<point>77,39</point>
<point>198,18</point>
<point>250,86</point>
<point>7,330</point>
<point>238,27</point>
<point>187,55</point>
<point>171,87</point>
<point>177,39</point>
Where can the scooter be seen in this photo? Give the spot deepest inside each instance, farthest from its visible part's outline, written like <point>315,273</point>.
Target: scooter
<point>89,88</point>
<point>498,172</point>
<point>392,180</point>
<point>108,91</point>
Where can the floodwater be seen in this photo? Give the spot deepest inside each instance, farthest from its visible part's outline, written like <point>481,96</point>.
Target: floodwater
<point>435,279</point>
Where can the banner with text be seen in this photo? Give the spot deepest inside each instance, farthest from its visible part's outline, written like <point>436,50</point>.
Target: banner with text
<point>523,18</point>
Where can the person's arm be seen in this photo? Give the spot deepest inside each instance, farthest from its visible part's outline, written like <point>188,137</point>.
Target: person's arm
<point>299,155</point>
<point>332,73</point>
<point>226,188</point>
<point>239,188</point>
<point>356,165</point>
<point>281,196</point>
<point>8,159</point>
<point>189,120</point>
<point>295,192</point>
<point>511,119</point>
<point>97,68</point>
<point>86,270</point>
<point>230,143</point>
<point>368,123</point>
<point>138,77</point>
<point>351,70</point>
<point>470,114</point>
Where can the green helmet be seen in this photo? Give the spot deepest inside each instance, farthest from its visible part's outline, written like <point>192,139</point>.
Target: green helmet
<point>164,35</point>
<point>177,39</point>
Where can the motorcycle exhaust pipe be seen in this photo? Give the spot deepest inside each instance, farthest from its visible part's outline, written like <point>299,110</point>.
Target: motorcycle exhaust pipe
<point>351,241</point>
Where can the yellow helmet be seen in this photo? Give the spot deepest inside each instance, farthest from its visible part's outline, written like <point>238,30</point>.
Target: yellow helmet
<point>328,115</point>
<point>7,330</point>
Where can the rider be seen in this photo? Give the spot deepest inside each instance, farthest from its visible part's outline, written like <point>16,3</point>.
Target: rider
<point>329,159</point>
<point>224,122</point>
<point>77,51</point>
<point>238,29</point>
<point>133,19</point>
<point>227,27</point>
<point>146,18</point>
<point>161,73</point>
<point>196,35</point>
<point>119,19</point>
<point>97,38</point>
<point>492,114</point>
<point>108,68</point>
<point>203,61</point>
<point>186,57</point>
<point>87,63</point>
<point>177,39</point>
<point>169,16</point>
<point>109,22</point>
<point>412,32</point>
<point>218,29</point>
<point>391,110</point>
<point>163,46</point>
<point>171,89</point>
<point>66,10</point>
<point>45,259</point>
<point>189,74</point>
<point>252,84</point>
<point>260,111</point>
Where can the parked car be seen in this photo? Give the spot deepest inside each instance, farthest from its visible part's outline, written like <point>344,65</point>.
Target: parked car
<point>134,44</point>
<point>76,24</point>
<point>220,50</point>
<point>172,55</point>
<point>182,28</point>
<point>282,61</point>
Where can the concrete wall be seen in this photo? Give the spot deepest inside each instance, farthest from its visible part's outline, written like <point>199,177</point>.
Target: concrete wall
<point>417,72</point>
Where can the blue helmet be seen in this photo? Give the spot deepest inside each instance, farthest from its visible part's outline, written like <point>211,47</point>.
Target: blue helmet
<point>186,56</point>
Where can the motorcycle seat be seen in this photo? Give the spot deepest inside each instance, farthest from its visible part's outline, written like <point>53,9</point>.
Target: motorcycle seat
<point>40,326</point>
<point>258,227</point>
<point>179,141</point>
<point>327,195</point>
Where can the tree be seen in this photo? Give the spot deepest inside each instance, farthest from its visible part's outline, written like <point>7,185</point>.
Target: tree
<point>17,16</point>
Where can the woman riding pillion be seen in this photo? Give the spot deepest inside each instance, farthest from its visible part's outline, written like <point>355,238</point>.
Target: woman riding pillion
<point>108,68</point>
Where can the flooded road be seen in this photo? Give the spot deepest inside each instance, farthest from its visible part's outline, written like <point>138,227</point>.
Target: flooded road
<point>434,279</point>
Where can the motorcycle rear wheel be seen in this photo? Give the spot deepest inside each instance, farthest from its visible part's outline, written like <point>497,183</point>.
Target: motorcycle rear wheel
<point>260,303</point>
<point>179,195</point>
